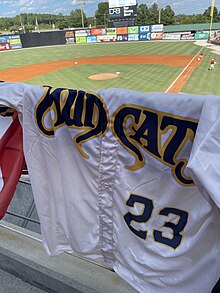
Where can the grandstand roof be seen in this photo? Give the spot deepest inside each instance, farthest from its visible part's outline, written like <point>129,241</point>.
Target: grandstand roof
<point>191,27</point>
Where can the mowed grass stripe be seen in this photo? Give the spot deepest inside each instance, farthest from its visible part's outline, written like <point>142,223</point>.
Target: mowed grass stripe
<point>16,58</point>
<point>145,78</point>
<point>138,77</point>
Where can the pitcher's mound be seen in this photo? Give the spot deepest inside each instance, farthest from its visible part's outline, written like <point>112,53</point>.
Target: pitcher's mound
<point>103,76</point>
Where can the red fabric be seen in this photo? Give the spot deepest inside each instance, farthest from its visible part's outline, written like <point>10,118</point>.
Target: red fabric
<point>11,162</point>
<point>213,62</point>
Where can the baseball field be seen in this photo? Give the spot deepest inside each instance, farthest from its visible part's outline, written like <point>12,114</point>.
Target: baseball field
<point>159,66</point>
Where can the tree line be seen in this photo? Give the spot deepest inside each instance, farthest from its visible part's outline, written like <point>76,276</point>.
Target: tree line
<point>77,18</point>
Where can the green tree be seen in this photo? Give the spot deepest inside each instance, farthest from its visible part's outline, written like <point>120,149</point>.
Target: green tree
<point>29,27</point>
<point>143,15</point>
<point>167,15</point>
<point>91,21</point>
<point>199,18</point>
<point>208,12</point>
<point>154,13</point>
<point>182,19</point>
<point>78,18</point>
<point>62,24</point>
<point>102,14</point>
<point>13,28</point>
<point>4,23</point>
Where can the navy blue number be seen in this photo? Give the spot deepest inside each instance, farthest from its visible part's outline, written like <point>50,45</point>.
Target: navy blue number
<point>142,218</point>
<point>177,227</point>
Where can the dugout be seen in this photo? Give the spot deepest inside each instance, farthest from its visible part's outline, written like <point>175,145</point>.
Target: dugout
<point>36,39</point>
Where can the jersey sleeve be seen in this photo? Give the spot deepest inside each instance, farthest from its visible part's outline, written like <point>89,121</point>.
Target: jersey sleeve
<point>11,95</point>
<point>204,162</point>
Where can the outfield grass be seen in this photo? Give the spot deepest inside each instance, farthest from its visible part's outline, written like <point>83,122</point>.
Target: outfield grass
<point>11,59</point>
<point>145,77</point>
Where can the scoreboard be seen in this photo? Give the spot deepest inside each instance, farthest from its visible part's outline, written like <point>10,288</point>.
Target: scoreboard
<point>122,9</point>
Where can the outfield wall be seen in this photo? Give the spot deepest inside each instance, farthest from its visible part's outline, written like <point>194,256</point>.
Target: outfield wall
<point>28,40</point>
<point>43,39</point>
<point>97,35</point>
<point>134,33</point>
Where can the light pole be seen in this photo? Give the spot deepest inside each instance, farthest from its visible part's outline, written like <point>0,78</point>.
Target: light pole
<point>211,16</point>
<point>22,25</point>
<point>81,2</point>
<point>159,18</point>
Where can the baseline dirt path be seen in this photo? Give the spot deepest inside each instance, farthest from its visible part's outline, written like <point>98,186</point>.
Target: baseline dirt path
<point>23,73</point>
<point>185,75</point>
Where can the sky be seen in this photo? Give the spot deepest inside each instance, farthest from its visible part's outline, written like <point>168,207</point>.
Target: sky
<point>10,8</point>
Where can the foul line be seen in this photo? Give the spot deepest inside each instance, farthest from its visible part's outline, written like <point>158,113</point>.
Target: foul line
<point>184,69</point>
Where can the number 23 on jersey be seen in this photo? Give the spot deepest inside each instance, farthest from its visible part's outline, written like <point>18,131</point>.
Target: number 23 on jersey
<point>176,227</point>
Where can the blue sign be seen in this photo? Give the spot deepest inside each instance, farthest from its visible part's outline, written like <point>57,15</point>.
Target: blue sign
<point>91,39</point>
<point>4,39</point>
<point>144,37</point>
<point>144,29</point>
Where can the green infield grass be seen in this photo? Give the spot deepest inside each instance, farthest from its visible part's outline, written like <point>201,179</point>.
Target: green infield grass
<point>143,77</point>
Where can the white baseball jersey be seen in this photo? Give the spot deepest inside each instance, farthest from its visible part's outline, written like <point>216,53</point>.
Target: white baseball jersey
<point>117,174</point>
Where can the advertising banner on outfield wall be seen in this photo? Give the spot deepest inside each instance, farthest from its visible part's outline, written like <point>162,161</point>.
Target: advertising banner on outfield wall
<point>122,30</point>
<point>91,39</point>
<point>156,36</point>
<point>157,28</point>
<point>144,37</point>
<point>187,37</point>
<point>15,42</point>
<point>201,36</point>
<point>4,39</point>
<point>133,30</point>
<point>103,39</point>
<point>4,47</point>
<point>98,31</point>
<point>69,35</point>
<point>111,31</point>
<point>122,38</point>
<point>82,33</point>
<point>144,29</point>
<point>70,41</point>
<point>169,36</point>
<point>133,37</point>
<point>81,40</point>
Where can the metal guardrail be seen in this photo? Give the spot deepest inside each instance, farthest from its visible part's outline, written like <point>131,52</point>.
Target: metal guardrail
<point>26,217</point>
<point>22,217</point>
